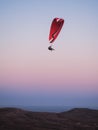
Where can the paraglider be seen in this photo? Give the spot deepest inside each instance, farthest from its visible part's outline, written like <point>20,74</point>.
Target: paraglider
<point>55,29</point>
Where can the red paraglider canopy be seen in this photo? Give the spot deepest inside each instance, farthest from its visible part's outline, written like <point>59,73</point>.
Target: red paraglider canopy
<point>55,29</point>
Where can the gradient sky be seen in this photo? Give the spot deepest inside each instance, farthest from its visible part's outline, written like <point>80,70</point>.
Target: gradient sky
<point>32,75</point>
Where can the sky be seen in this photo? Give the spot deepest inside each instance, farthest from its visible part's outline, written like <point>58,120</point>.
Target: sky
<point>30,74</point>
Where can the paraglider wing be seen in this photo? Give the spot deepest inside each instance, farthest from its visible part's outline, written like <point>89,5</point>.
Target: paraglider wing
<point>55,29</point>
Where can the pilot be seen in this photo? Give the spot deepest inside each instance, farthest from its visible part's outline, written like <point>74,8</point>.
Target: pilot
<point>50,48</point>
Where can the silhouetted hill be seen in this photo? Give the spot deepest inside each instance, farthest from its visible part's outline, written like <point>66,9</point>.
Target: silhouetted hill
<point>75,119</point>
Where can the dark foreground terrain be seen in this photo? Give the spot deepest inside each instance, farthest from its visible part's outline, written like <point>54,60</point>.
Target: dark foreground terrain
<point>75,119</point>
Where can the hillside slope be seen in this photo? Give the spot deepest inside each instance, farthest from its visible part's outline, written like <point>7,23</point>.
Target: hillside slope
<point>75,119</point>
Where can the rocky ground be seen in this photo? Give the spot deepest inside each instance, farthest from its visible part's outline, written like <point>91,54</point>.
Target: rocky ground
<point>75,119</point>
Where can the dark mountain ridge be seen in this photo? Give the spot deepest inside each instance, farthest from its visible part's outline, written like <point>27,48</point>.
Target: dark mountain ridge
<point>75,119</point>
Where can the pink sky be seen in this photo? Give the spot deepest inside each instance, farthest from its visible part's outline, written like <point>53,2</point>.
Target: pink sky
<point>26,65</point>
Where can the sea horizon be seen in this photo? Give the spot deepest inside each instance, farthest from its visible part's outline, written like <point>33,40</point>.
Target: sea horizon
<point>47,108</point>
